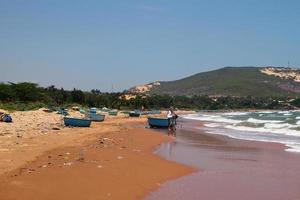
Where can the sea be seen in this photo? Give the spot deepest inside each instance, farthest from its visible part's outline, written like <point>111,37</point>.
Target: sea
<point>267,126</point>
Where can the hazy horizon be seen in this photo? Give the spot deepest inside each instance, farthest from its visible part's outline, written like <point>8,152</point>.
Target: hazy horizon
<point>100,44</point>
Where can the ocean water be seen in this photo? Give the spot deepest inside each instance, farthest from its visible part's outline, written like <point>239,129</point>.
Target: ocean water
<point>268,126</point>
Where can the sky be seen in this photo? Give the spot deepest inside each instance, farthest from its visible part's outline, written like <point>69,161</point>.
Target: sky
<point>117,44</point>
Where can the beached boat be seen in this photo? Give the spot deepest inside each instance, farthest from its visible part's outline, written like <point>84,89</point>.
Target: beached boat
<point>82,111</point>
<point>95,117</point>
<point>62,111</point>
<point>93,110</point>
<point>145,113</point>
<point>113,112</point>
<point>104,109</point>
<point>77,122</point>
<point>154,112</point>
<point>158,122</point>
<point>134,114</point>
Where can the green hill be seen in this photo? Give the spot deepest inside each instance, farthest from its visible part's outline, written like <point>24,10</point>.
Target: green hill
<point>234,81</point>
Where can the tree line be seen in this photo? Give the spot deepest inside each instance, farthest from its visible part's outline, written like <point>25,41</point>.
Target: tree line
<point>25,94</point>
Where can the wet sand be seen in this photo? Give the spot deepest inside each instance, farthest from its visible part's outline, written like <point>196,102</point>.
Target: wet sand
<point>229,169</point>
<point>111,160</point>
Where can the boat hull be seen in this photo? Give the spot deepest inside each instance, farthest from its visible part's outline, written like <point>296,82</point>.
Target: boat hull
<point>95,117</point>
<point>134,114</point>
<point>77,122</point>
<point>158,122</point>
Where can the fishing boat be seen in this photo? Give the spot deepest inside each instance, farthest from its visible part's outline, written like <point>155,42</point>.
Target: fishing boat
<point>77,122</point>
<point>104,109</point>
<point>134,114</point>
<point>154,112</point>
<point>63,111</point>
<point>82,111</point>
<point>145,113</point>
<point>158,122</point>
<point>95,117</point>
<point>93,110</point>
<point>113,112</point>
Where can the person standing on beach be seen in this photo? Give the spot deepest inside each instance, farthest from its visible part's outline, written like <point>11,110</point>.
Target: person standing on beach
<point>172,120</point>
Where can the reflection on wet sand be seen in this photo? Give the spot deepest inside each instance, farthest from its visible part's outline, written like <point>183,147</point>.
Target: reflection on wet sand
<point>229,168</point>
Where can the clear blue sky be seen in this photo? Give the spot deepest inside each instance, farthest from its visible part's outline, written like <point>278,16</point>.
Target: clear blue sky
<point>93,44</point>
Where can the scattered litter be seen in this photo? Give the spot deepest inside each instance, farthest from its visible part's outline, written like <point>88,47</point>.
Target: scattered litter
<point>31,170</point>
<point>68,164</point>
<point>44,166</point>
<point>120,157</point>
<point>99,166</point>
<point>68,153</point>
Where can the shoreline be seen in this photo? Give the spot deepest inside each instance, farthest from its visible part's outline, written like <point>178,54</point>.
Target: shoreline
<point>120,159</point>
<point>229,168</point>
<point>115,163</point>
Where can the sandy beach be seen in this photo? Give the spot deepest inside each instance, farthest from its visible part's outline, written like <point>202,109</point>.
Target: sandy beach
<point>111,160</point>
<point>122,159</point>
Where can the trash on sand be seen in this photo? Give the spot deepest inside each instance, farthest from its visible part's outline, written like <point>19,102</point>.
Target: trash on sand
<point>120,157</point>
<point>68,164</point>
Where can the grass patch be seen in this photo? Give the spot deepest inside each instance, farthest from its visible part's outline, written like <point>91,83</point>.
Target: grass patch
<point>20,106</point>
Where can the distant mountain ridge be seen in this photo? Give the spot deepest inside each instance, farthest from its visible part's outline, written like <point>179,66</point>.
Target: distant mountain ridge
<point>231,81</point>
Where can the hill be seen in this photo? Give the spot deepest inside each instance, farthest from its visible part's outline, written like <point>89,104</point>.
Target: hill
<point>231,81</point>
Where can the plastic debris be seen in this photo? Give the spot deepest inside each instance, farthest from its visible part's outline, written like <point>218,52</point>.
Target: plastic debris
<point>120,157</point>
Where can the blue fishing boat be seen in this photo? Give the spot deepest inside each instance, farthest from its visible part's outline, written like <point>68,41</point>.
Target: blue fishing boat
<point>93,110</point>
<point>95,117</point>
<point>82,111</point>
<point>158,122</point>
<point>77,122</point>
<point>134,114</point>
<point>62,111</point>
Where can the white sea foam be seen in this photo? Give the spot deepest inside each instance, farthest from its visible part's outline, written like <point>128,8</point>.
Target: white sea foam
<point>235,113</point>
<point>279,126</point>
<point>292,146</point>
<point>266,112</point>
<point>213,125</point>
<point>213,118</point>
<point>252,120</point>
<point>268,131</point>
<point>284,112</point>
<point>258,126</point>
